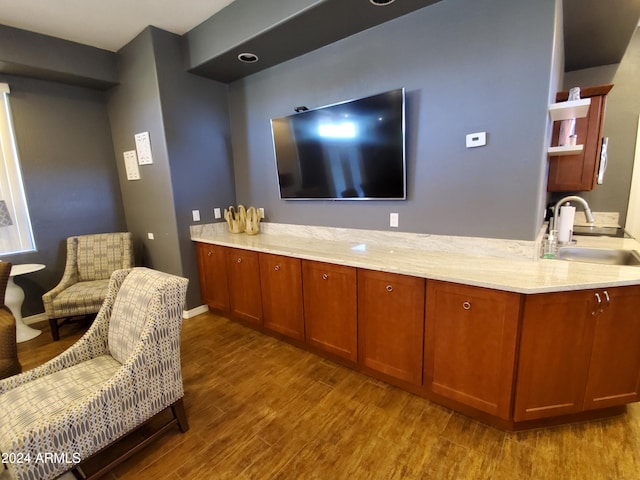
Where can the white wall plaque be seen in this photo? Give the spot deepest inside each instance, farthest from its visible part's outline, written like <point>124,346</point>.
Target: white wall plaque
<point>143,147</point>
<point>131,165</point>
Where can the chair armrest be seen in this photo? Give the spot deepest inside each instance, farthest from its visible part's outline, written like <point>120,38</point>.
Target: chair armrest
<point>69,277</point>
<point>92,344</point>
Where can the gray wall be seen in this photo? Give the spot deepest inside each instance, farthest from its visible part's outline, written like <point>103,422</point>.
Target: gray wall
<point>34,55</point>
<point>187,120</point>
<point>134,107</point>
<point>196,123</point>
<point>621,123</point>
<point>64,142</point>
<point>467,67</point>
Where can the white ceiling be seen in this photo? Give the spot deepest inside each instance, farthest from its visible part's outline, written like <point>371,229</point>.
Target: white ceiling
<point>107,24</point>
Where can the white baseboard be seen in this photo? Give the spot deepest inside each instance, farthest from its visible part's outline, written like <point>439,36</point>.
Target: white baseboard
<point>38,317</point>
<point>195,311</point>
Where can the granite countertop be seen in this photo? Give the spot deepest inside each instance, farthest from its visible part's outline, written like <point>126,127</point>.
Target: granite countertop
<point>471,261</point>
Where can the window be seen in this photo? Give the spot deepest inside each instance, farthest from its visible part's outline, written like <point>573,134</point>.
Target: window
<point>15,225</point>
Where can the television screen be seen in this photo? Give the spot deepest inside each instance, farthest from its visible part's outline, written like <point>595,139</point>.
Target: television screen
<point>348,151</point>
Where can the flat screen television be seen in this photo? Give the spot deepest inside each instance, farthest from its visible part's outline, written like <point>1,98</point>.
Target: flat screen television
<point>354,150</point>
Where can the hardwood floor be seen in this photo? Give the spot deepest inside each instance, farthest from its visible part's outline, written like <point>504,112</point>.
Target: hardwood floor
<point>262,409</point>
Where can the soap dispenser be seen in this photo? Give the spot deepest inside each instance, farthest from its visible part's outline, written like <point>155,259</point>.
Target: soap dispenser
<point>551,245</point>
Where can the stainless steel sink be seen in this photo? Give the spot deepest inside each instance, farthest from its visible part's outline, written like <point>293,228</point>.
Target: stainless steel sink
<point>599,231</point>
<point>599,255</point>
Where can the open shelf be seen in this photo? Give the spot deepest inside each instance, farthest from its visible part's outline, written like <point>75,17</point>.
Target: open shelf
<point>570,109</point>
<point>565,150</point>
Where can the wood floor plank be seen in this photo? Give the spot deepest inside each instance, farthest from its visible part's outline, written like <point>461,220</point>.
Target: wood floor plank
<point>263,409</point>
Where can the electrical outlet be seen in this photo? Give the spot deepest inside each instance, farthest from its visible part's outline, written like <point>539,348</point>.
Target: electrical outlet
<point>261,212</point>
<point>150,236</point>
<point>393,219</point>
<point>196,215</point>
<point>216,213</point>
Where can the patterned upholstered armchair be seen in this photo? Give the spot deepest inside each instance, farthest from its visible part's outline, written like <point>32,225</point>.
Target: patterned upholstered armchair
<point>123,371</point>
<point>91,259</point>
<point>9,364</point>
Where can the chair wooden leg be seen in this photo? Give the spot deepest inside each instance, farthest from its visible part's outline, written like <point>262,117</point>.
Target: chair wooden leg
<point>181,415</point>
<point>55,333</point>
<point>180,418</point>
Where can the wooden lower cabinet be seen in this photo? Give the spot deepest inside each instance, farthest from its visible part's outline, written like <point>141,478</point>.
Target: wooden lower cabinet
<point>578,351</point>
<point>510,359</point>
<point>243,274</point>
<point>614,370</point>
<point>391,324</point>
<point>212,271</point>
<point>281,281</point>
<point>470,345</point>
<point>555,346</point>
<point>330,308</point>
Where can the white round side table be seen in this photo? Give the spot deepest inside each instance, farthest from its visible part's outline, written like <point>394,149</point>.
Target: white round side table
<point>14,297</point>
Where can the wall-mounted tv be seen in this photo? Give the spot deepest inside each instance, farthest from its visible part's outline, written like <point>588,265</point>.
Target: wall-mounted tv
<point>354,150</point>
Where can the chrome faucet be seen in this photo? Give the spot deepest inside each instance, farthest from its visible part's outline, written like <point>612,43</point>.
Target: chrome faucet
<point>572,198</point>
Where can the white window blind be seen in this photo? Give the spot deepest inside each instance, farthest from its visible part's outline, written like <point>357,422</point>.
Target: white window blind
<point>15,225</point>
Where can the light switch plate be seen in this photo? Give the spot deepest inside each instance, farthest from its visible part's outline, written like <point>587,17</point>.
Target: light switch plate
<point>393,219</point>
<point>196,215</point>
<point>216,213</point>
<point>478,139</point>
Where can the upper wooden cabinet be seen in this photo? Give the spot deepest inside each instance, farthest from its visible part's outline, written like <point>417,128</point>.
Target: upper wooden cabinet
<point>470,345</point>
<point>212,271</point>
<point>578,172</point>
<point>243,273</point>
<point>281,281</point>
<point>330,308</point>
<point>391,324</point>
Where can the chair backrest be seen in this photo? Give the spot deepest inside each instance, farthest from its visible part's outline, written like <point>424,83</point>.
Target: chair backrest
<point>144,295</point>
<point>99,255</point>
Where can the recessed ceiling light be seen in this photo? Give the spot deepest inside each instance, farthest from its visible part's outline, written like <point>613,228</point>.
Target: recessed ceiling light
<point>382,3</point>
<point>248,57</point>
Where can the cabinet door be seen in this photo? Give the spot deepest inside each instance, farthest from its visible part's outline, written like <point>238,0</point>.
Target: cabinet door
<point>330,308</point>
<point>470,344</point>
<point>281,283</point>
<point>571,173</point>
<point>555,349</point>
<point>212,271</point>
<point>391,324</point>
<point>243,272</point>
<point>614,372</point>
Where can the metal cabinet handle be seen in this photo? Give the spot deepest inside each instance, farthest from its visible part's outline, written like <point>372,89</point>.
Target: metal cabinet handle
<point>325,276</point>
<point>389,288</point>
<point>239,259</point>
<point>598,308</point>
<point>209,253</point>
<point>276,268</point>
<point>466,305</point>
<point>606,297</point>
